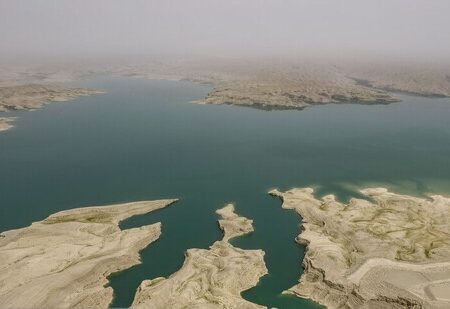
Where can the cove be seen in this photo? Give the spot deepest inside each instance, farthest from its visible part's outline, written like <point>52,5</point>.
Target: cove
<point>143,140</point>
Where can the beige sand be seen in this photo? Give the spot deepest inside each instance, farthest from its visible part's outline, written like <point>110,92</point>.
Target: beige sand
<point>6,123</point>
<point>64,260</point>
<point>391,253</point>
<point>211,278</point>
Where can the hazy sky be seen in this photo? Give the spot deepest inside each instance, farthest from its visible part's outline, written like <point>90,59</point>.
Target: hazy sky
<point>417,27</point>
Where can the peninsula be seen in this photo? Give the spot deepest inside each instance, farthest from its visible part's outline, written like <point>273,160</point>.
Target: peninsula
<point>393,252</point>
<point>33,96</point>
<point>64,260</point>
<point>211,278</point>
<point>295,83</point>
<point>264,83</point>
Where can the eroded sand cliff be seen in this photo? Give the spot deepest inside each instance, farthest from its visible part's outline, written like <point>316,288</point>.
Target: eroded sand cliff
<point>390,253</point>
<point>211,278</point>
<point>64,260</point>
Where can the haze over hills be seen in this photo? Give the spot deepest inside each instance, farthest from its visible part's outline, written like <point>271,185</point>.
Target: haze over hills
<point>140,139</point>
<point>270,54</point>
<point>400,28</point>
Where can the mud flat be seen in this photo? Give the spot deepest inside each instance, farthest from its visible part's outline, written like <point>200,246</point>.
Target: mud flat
<point>64,260</point>
<point>211,278</point>
<point>390,253</point>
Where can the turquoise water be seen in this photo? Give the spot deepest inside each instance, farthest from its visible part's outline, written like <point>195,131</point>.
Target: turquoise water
<point>144,140</point>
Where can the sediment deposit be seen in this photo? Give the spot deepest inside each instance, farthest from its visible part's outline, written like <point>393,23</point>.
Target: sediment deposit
<point>393,252</point>
<point>211,278</point>
<point>64,260</point>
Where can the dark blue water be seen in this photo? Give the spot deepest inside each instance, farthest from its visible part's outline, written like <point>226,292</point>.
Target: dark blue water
<point>143,140</point>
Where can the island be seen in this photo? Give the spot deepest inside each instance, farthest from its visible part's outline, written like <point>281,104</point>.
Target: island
<point>64,260</point>
<point>386,251</point>
<point>211,278</point>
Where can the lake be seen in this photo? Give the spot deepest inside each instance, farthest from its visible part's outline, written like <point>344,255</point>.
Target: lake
<point>144,140</point>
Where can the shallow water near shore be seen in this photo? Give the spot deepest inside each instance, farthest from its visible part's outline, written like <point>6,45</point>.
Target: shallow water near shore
<point>143,140</point>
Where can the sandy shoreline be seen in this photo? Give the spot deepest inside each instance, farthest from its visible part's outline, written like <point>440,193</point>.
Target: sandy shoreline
<point>391,253</point>
<point>64,260</point>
